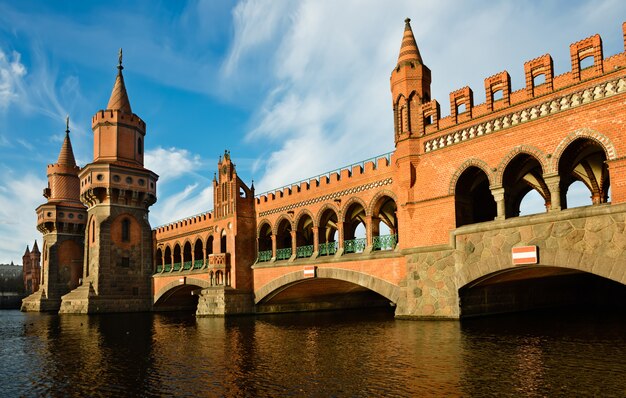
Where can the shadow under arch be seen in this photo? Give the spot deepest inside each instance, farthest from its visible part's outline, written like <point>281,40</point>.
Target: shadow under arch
<point>534,287</point>
<point>171,297</point>
<point>386,289</point>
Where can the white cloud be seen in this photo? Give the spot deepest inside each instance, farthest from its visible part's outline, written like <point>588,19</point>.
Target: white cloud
<point>19,196</point>
<point>171,163</point>
<point>12,72</point>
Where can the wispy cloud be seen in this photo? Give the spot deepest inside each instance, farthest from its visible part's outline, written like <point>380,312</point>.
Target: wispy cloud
<point>192,200</point>
<point>19,196</point>
<point>172,163</point>
<point>12,71</point>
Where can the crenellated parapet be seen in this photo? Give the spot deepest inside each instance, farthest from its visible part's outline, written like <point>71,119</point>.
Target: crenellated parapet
<point>544,94</point>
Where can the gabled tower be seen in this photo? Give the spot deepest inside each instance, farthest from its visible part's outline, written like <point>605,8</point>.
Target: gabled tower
<point>410,88</point>
<point>28,284</point>
<point>62,221</point>
<point>117,190</point>
<point>235,238</point>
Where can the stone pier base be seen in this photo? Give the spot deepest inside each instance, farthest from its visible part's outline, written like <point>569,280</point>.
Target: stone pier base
<point>39,302</point>
<point>221,301</point>
<point>84,300</point>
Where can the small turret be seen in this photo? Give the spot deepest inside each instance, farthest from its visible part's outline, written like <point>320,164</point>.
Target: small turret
<point>410,87</point>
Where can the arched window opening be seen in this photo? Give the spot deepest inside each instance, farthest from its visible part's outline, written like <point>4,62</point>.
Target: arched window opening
<point>177,258</point>
<point>223,248</point>
<point>186,260</point>
<point>126,230</point>
<point>328,234</point>
<point>460,108</point>
<point>139,146</point>
<point>93,231</point>
<point>209,245</point>
<point>539,80</point>
<point>384,224</point>
<point>473,200</point>
<point>198,254</point>
<point>531,203</point>
<point>354,229</point>
<point>283,240</point>
<point>522,175</point>
<point>498,95</point>
<point>584,161</point>
<point>304,237</point>
<point>167,266</point>
<point>265,243</point>
<point>587,62</point>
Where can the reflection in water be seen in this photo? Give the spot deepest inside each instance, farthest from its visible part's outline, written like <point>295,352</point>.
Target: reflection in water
<point>356,353</point>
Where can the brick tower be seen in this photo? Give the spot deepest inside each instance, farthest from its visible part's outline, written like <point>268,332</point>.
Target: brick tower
<point>117,190</point>
<point>410,90</point>
<point>62,221</point>
<point>234,240</point>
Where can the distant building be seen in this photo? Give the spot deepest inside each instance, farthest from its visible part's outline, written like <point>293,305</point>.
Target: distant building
<point>10,277</point>
<point>31,269</point>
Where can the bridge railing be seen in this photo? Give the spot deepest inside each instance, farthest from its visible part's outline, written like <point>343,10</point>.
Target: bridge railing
<point>187,265</point>
<point>304,251</point>
<point>328,248</point>
<point>385,242</point>
<point>159,268</point>
<point>283,254</point>
<point>264,256</point>
<point>197,264</point>
<point>356,245</point>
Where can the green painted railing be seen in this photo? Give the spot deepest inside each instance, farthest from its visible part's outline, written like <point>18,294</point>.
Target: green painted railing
<point>265,255</point>
<point>328,248</point>
<point>168,267</point>
<point>283,254</point>
<point>159,268</point>
<point>304,251</point>
<point>176,266</point>
<point>385,242</point>
<point>197,264</point>
<point>187,265</point>
<point>354,245</point>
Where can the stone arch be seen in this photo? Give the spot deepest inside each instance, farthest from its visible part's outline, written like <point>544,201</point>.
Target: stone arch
<point>301,214</point>
<point>464,166</point>
<point>279,221</point>
<point>536,153</point>
<point>377,285</point>
<point>188,281</point>
<point>371,210</point>
<point>602,140</point>
<point>320,213</point>
<point>350,202</point>
<point>260,226</point>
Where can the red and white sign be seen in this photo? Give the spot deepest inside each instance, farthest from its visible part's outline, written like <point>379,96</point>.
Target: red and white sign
<point>524,255</point>
<point>309,271</point>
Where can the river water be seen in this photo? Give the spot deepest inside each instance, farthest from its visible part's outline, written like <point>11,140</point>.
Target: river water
<point>363,353</point>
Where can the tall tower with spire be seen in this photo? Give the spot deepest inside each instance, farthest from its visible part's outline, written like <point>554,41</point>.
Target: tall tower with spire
<point>62,221</point>
<point>410,88</point>
<point>117,190</point>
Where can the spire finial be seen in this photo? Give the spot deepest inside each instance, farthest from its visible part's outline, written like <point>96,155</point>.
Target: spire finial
<point>120,67</point>
<point>67,124</point>
<point>407,21</point>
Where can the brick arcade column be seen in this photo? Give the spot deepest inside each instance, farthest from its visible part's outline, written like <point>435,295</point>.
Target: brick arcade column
<point>553,181</point>
<point>294,244</point>
<point>316,241</point>
<point>273,246</point>
<point>498,196</point>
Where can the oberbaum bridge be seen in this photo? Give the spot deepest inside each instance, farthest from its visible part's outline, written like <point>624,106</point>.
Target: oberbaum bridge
<point>443,236</point>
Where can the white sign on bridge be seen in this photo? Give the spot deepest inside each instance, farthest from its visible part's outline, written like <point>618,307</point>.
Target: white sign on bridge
<point>524,255</point>
<point>309,271</point>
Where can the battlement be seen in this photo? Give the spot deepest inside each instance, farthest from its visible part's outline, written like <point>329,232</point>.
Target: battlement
<point>540,83</point>
<point>116,116</point>
<point>175,227</point>
<point>328,180</point>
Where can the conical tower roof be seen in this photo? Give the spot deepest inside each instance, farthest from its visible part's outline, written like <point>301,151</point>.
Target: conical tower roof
<point>35,248</point>
<point>408,49</point>
<point>119,98</point>
<point>27,252</point>
<point>66,156</point>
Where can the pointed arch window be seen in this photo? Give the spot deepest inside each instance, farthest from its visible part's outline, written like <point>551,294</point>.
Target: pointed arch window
<point>139,146</point>
<point>126,230</point>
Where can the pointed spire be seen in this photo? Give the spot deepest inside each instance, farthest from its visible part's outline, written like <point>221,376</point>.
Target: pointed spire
<point>27,252</point>
<point>119,98</point>
<point>66,156</point>
<point>35,248</point>
<point>408,49</point>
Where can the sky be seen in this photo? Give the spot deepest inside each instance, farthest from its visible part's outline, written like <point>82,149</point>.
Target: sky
<point>291,88</point>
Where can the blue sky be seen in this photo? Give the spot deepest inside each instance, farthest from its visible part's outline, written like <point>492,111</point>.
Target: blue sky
<point>291,88</point>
